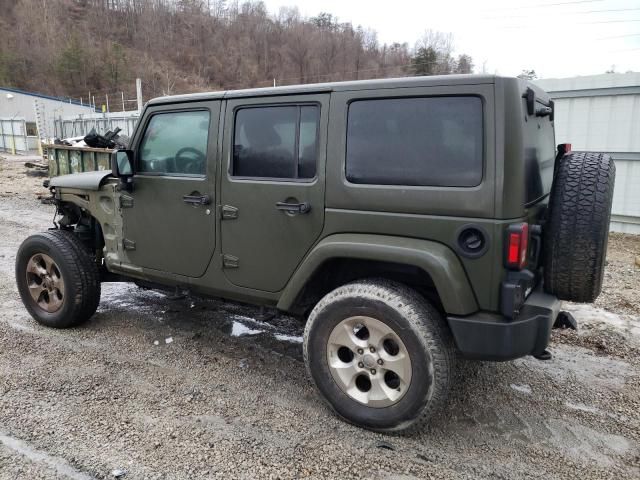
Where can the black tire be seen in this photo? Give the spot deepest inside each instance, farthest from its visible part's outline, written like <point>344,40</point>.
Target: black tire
<point>418,325</point>
<point>577,230</point>
<point>79,273</point>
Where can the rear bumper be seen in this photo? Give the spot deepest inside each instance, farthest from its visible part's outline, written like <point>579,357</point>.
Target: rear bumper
<point>487,336</point>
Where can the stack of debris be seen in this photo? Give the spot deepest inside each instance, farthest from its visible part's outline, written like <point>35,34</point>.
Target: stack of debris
<point>110,140</point>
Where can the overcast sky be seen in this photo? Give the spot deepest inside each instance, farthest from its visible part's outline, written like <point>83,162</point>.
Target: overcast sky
<point>556,38</point>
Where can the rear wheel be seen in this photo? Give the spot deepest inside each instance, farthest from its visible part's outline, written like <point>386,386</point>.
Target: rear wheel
<point>57,279</point>
<point>379,354</point>
<point>577,230</point>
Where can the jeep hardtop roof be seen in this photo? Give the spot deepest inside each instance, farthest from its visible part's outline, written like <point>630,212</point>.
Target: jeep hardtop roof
<point>423,81</point>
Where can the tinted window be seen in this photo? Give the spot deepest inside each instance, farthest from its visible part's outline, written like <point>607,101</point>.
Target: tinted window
<point>539,156</point>
<point>435,141</point>
<point>175,143</point>
<point>276,142</point>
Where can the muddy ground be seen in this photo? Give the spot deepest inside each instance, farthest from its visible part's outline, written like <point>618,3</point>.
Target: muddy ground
<point>201,389</point>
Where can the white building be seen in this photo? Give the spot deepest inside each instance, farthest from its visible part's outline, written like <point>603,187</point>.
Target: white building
<point>19,105</point>
<point>601,113</point>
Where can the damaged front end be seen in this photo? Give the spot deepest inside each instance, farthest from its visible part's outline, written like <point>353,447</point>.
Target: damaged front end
<point>87,204</point>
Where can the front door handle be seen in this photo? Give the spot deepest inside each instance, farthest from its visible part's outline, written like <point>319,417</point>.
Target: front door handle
<point>197,199</point>
<point>294,208</point>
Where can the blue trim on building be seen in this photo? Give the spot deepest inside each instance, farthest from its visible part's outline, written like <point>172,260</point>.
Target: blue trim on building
<point>47,97</point>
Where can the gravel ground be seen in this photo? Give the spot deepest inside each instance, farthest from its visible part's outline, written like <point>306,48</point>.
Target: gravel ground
<point>621,289</point>
<point>202,389</point>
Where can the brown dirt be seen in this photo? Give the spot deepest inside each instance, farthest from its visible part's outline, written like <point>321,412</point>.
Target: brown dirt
<point>17,180</point>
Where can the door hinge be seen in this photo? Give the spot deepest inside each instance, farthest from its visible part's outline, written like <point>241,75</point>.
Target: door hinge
<point>229,261</point>
<point>229,212</point>
<point>128,244</point>
<point>126,201</point>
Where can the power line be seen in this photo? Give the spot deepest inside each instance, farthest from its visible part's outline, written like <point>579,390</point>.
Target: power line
<point>613,10</point>
<point>543,5</point>
<point>510,27</point>
<point>609,10</point>
<point>625,50</point>
<point>620,36</point>
<point>609,21</point>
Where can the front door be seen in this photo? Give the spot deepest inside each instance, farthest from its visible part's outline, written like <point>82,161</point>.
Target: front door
<point>169,217</point>
<point>272,186</point>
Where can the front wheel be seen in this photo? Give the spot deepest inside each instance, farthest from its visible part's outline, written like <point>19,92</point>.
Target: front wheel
<point>379,354</point>
<point>57,279</point>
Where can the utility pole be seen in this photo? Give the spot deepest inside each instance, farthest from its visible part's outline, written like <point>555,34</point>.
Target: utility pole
<point>107,97</point>
<point>139,93</point>
<point>122,101</point>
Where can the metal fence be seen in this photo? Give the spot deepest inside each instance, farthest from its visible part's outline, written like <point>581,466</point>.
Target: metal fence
<point>81,125</point>
<point>599,113</point>
<point>13,135</point>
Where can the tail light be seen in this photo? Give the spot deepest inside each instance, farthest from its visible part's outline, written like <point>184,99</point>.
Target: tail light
<point>563,149</point>
<point>517,243</point>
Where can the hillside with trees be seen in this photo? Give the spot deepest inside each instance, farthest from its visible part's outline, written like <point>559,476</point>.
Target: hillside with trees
<point>72,47</point>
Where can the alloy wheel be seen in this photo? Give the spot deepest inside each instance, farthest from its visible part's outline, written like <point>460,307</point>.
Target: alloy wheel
<point>369,361</point>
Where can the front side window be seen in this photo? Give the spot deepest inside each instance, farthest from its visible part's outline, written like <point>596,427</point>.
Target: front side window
<point>429,141</point>
<point>175,143</point>
<point>276,142</point>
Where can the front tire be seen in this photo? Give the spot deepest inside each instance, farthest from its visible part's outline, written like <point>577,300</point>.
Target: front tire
<point>379,354</point>
<point>57,279</point>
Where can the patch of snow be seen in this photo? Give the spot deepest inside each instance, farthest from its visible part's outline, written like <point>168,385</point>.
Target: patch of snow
<point>288,338</point>
<point>526,389</point>
<point>582,407</point>
<point>239,329</point>
<point>588,314</point>
<point>245,319</point>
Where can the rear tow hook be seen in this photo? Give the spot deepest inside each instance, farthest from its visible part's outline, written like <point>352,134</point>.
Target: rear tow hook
<point>565,320</point>
<point>546,355</point>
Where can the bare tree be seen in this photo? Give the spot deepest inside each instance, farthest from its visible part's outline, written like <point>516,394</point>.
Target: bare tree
<point>192,45</point>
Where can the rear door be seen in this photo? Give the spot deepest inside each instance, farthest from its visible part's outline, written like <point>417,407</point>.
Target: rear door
<point>169,217</point>
<point>272,186</point>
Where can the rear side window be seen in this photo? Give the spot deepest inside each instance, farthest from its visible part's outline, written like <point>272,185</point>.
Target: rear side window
<point>539,156</point>
<point>276,142</point>
<point>428,141</point>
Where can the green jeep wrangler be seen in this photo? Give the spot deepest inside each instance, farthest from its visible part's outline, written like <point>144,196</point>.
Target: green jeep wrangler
<point>407,221</point>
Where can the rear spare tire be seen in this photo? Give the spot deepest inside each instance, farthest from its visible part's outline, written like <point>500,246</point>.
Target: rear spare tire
<point>577,230</point>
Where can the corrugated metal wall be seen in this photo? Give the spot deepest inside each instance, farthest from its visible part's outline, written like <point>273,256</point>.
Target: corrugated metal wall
<point>601,113</point>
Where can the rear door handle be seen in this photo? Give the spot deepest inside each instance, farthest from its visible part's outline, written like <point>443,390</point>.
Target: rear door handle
<point>195,199</point>
<point>295,208</point>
